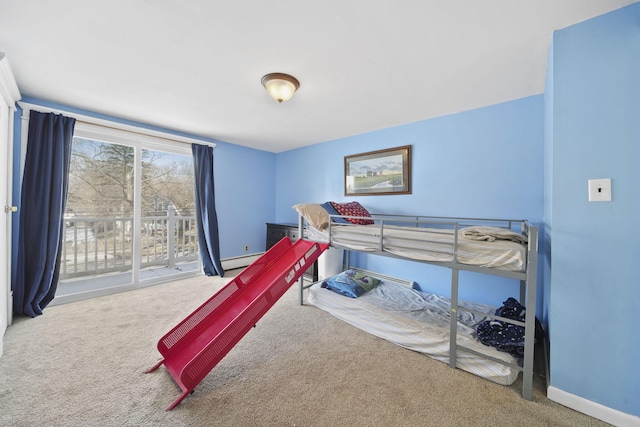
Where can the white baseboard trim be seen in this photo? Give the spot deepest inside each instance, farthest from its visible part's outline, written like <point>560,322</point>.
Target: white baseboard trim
<point>592,409</point>
<point>239,262</point>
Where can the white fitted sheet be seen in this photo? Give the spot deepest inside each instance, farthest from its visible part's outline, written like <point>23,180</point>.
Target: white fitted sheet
<point>420,322</point>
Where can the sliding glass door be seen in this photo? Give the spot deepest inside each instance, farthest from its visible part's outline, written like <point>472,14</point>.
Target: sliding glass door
<point>129,218</point>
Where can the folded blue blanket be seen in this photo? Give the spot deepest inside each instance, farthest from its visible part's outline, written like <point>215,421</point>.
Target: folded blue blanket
<point>351,283</point>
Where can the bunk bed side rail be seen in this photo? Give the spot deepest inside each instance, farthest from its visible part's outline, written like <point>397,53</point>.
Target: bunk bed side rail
<point>435,224</point>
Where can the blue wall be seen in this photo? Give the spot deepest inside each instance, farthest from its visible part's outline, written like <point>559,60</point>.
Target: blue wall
<point>486,162</point>
<point>595,279</point>
<point>245,195</point>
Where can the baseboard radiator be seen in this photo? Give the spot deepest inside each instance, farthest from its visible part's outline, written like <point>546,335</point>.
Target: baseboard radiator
<point>240,261</point>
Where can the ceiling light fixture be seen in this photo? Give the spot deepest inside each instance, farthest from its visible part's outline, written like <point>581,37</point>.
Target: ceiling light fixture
<point>280,86</point>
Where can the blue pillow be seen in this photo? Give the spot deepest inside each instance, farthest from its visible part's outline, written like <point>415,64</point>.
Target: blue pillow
<point>332,211</point>
<point>350,283</point>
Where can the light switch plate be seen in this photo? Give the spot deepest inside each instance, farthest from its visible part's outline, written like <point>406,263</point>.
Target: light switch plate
<point>600,190</point>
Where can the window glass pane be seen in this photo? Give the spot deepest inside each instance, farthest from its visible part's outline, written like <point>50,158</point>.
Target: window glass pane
<point>169,238</point>
<point>100,179</point>
<point>99,216</point>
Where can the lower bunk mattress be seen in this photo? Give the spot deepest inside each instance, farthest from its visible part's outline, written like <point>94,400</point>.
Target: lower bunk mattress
<point>418,321</point>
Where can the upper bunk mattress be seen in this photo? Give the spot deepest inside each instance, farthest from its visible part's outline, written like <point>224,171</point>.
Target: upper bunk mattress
<point>420,322</point>
<point>492,248</point>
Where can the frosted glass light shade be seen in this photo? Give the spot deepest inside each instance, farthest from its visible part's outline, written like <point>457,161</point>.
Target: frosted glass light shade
<point>280,87</point>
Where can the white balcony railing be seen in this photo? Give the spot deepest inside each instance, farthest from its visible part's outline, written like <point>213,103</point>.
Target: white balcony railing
<point>94,246</point>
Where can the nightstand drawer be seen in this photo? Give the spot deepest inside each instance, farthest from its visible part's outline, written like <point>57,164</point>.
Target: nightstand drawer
<point>275,233</point>
<point>293,234</point>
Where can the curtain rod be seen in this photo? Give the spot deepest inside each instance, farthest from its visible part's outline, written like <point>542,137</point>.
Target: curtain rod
<point>85,119</point>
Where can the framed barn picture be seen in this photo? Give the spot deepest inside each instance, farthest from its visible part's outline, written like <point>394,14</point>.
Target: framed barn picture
<point>381,172</point>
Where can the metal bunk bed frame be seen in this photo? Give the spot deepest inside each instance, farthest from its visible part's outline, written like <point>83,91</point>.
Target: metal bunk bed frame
<point>528,281</point>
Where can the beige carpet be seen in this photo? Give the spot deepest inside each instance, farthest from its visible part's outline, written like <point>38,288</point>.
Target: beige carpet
<point>83,364</point>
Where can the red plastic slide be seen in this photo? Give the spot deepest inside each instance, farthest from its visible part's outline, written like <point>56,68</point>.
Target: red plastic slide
<point>195,346</point>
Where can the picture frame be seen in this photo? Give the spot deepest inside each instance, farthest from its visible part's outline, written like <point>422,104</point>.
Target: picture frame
<point>381,172</point>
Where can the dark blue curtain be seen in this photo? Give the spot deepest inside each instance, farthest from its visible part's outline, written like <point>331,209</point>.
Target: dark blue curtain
<point>42,204</point>
<point>206,217</point>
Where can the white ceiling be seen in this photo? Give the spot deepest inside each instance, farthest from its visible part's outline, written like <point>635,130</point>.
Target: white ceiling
<point>195,66</point>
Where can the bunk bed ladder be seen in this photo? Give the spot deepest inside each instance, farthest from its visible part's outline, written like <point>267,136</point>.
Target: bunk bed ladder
<point>527,299</point>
